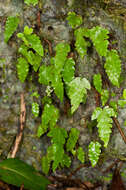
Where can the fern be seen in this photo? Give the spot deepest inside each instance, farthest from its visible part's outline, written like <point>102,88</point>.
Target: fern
<point>35,109</point>
<point>22,69</point>
<point>77,90</point>
<point>74,20</point>
<point>31,43</point>
<point>52,74</point>
<point>94,152</point>
<point>81,44</point>
<point>104,96</point>
<point>124,94</point>
<point>49,118</point>
<point>68,70</point>
<point>31,40</point>
<point>104,120</point>
<point>113,67</point>
<point>33,2</point>
<point>10,27</point>
<point>72,140</point>
<point>97,81</point>
<point>33,58</point>
<point>58,139</point>
<point>80,154</point>
<point>99,37</point>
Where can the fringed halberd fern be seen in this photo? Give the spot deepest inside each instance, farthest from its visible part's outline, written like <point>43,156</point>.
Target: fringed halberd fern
<point>59,77</point>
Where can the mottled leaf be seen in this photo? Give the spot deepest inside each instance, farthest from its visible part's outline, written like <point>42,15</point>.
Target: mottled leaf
<point>113,67</point>
<point>104,122</point>
<point>35,109</point>
<point>77,91</point>
<point>94,152</point>
<point>99,38</point>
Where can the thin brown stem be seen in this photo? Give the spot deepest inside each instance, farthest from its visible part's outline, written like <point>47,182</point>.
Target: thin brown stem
<point>119,128</point>
<point>20,134</point>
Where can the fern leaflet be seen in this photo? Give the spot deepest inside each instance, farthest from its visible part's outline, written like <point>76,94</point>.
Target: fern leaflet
<point>74,20</point>
<point>99,38</point>
<point>22,69</point>
<point>104,122</point>
<point>113,67</point>
<point>77,91</point>
<point>94,152</point>
<point>10,27</point>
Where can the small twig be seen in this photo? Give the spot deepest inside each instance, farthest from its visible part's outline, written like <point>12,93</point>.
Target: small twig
<point>20,134</point>
<point>22,187</point>
<point>119,128</point>
<point>50,46</point>
<point>39,19</point>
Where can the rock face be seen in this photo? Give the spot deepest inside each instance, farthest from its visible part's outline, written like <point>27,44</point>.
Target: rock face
<point>110,14</point>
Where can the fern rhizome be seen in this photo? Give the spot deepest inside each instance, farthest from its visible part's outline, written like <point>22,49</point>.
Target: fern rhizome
<point>59,77</point>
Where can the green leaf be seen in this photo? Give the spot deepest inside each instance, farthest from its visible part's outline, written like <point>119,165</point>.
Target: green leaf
<point>35,94</point>
<point>113,67</point>
<point>104,96</point>
<point>94,152</point>
<point>122,103</point>
<point>45,74</point>
<point>104,122</point>
<point>97,81</point>
<point>27,30</point>
<point>62,50</point>
<point>45,164</point>
<point>96,113</point>
<point>58,153</point>
<point>72,140</point>
<point>46,100</point>
<point>31,40</point>
<point>58,135</point>
<point>10,27</point>
<point>35,43</point>
<point>99,38</point>
<point>77,91</point>
<point>49,118</point>
<point>74,20</point>
<point>80,154</point>
<point>16,172</point>
<point>57,85</point>
<point>35,109</point>
<point>22,69</point>
<point>113,104</point>
<point>124,94</point>
<point>33,2</point>
<point>81,44</point>
<point>69,70</point>
<point>66,161</point>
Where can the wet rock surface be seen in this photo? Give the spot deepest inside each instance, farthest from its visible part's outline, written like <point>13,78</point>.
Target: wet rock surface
<point>54,27</point>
